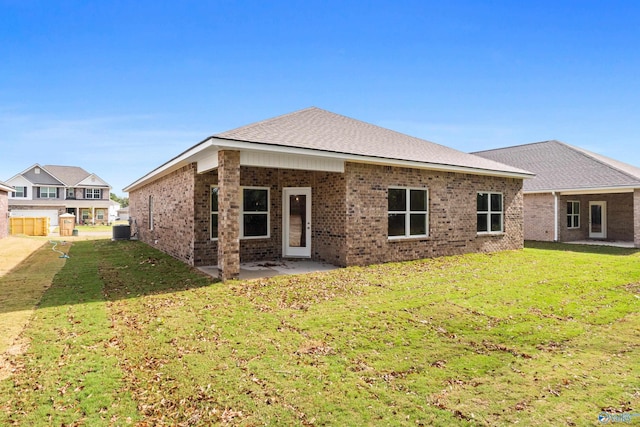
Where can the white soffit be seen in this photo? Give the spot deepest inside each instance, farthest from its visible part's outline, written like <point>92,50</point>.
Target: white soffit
<point>207,162</point>
<point>290,161</point>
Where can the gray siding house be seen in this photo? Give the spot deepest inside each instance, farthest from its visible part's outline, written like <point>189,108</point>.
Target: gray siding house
<point>51,190</point>
<point>318,185</point>
<point>576,194</point>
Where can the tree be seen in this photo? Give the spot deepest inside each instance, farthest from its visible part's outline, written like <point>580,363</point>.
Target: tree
<point>124,201</point>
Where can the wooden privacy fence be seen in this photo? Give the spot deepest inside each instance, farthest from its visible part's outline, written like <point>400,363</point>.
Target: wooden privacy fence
<point>29,226</point>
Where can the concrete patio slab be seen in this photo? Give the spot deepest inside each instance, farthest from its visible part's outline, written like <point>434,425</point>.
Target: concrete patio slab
<point>615,243</point>
<point>261,269</point>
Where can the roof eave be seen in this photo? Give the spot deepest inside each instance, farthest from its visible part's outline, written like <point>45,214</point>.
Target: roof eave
<point>232,144</point>
<point>587,190</point>
<point>222,143</point>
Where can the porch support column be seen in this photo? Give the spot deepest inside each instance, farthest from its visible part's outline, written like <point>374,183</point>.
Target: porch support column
<point>636,217</point>
<point>228,214</point>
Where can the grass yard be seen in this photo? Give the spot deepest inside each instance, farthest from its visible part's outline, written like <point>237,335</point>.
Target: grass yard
<point>128,336</point>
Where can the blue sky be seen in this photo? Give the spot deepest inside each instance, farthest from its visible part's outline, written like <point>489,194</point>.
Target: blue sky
<point>120,87</point>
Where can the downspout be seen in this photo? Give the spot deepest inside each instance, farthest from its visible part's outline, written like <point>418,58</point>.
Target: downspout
<point>555,216</point>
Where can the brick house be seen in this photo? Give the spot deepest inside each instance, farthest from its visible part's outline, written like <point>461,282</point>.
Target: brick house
<point>54,190</point>
<point>5,189</point>
<point>314,184</point>
<point>576,194</point>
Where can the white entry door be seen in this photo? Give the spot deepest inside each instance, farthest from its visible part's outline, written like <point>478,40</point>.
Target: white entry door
<point>598,220</point>
<point>296,222</point>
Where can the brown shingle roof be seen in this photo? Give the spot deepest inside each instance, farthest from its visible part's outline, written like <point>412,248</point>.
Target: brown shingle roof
<point>69,175</point>
<point>317,129</point>
<point>560,166</point>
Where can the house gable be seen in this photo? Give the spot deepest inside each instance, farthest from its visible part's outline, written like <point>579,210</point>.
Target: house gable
<point>92,181</point>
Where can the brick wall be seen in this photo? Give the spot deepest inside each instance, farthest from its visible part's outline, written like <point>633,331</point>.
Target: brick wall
<point>173,213</point>
<point>539,218</point>
<point>452,214</point>
<point>4,214</point>
<point>619,216</point>
<point>636,217</point>
<point>349,214</point>
<point>328,214</point>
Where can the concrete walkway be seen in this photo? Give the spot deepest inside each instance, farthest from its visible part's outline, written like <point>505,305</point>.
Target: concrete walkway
<point>261,269</point>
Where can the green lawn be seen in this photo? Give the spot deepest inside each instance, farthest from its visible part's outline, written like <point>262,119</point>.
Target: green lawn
<point>126,335</point>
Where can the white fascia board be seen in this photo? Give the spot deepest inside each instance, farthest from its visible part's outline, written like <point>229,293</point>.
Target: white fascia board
<point>177,162</point>
<point>6,188</point>
<point>594,190</point>
<point>243,145</point>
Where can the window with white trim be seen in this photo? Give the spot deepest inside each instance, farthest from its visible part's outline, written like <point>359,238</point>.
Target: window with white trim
<point>254,216</point>
<point>151,212</point>
<point>214,212</point>
<point>92,193</point>
<point>573,214</point>
<point>407,212</point>
<point>100,214</point>
<point>48,192</point>
<point>84,213</point>
<point>490,213</point>
<point>20,192</point>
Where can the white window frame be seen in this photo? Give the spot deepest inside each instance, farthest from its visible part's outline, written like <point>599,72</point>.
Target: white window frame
<point>92,193</point>
<point>23,190</point>
<point>82,212</point>
<point>267,213</point>
<point>211,213</point>
<point>151,212</point>
<point>573,215</point>
<point>100,214</point>
<point>48,192</point>
<point>407,212</point>
<point>489,212</point>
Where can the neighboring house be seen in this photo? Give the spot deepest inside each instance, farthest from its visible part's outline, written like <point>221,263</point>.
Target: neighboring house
<point>314,184</point>
<point>114,208</point>
<point>576,194</point>
<point>51,191</point>
<point>123,214</point>
<point>5,189</point>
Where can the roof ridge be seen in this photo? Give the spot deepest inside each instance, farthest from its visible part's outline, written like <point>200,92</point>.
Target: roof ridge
<point>254,124</point>
<point>515,146</point>
<point>609,163</point>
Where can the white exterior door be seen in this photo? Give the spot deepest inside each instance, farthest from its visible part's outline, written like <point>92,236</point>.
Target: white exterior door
<point>296,222</point>
<point>597,220</point>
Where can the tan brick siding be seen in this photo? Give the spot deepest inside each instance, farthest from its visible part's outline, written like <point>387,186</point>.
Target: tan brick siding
<point>539,217</point>
<point>349,214</point>
<point>452,214</point>
<point>173,213</point>
<point>619,217</point>
<point>636,217</point>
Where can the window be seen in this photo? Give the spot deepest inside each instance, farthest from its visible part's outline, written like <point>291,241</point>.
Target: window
<point>100,214</point>
<point>490,216</point>
<point>407,216</point>
<point>254,221</point>
<point>214,212</point>
<point>151,212</point>
<point>71,193</point>
<point>85,214</point>
<point>48,192</point>
<point>573,214</point>
<point>20,192</point>
<point>92,193</point>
